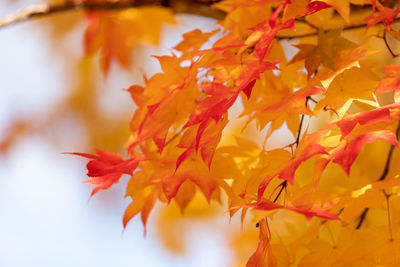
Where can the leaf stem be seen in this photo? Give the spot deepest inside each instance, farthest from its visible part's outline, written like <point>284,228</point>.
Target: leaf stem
<point>299,131</point>
<point>388,217</point>
<point>301,123</point>
<point>282,185</point>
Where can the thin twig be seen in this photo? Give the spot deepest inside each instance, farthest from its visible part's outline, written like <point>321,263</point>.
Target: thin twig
<point>301,124</point>
<point>312,100</point>
<point>362,218</point>
<point>299,131</point>
<point>381,178</point>
<point>282,185</point>
<point>387,45</point>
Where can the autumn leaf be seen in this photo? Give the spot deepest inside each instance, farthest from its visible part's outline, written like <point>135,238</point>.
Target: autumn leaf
<point>330,45</point>
<point>284,105</point>
<point>193,41</point>
<point>345,154</point>
<point>308,211</point>
<point>387,113</point>
<point>259,257</point>
<point>391,82</point>
<point>358,130</point>
<point>342,7</point>
<point>106,168</point>
<point>352,84</point>
<point>234,118</point>
<point>115,34</point>
<point>299,8</point>
<point>210,138</point>
<point>384,14</point>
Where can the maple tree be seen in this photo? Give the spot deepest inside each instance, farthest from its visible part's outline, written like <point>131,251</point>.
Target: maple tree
<point>330,195</point>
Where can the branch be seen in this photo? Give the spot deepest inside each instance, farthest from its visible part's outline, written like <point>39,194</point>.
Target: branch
<point>315,33</point>
<point>196,7</point>
<point>201,8</point>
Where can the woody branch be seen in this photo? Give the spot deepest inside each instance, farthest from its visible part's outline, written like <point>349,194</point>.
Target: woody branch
<point>196,7</point>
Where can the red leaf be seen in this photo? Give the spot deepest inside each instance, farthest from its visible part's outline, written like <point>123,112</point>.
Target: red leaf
<point>315,7</point>
<point>391,82</point>
<point>308,147</point>
<point>106,168</point>
<point>211,135</point>
<point>257,259</point>
<point>308,211</point>
<point>382,114</point>
<point>346,155</point>
<point>247,90</point>
<point>172,183</point>
<point>384,14</point>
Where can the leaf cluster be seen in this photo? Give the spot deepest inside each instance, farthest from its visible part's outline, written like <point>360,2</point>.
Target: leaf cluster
<point>329,194</point>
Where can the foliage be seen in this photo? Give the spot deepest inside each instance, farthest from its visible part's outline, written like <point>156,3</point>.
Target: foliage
<point>204,125</point>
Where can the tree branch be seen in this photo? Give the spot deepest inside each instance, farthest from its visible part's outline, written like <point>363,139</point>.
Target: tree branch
<point>201,8</point>
<point>196,7</point>
<point>314,33</point>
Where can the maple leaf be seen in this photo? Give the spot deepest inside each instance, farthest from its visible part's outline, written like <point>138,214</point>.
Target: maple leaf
<point>391,82</point>
<point>300,8</point>
<point>115,34</point>
<point>144,197</point>
<point>357,130</point>
<point>369,195</point>
<point>172,183</point>
<point>106,168</point>
<point>193,41</point>
<point>308,211</point>
<point>220,98</point>
<point>191,141</point>
<point>342,7</point>
<point>259,257</point>
<point>181,145</point>
<point>384,14</point>
<point>284,105</point>
<point>263,35</point>
<point>169,100</point>
<point>352,84</point>
<point>308,147</point>
<point>330,46</point>
<point>347,153</point>
<point>387,113</point>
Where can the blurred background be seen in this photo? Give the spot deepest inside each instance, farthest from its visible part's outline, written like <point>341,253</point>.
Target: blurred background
<point>53,99</point>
